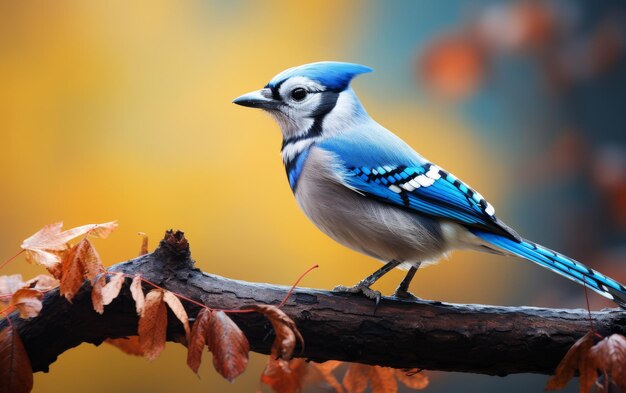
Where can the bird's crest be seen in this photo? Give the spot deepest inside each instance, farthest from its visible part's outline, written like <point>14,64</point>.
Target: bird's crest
<point>333,75</point>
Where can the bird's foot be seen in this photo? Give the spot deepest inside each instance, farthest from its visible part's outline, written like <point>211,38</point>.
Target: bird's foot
<point>404,294</point>
<point>360,288</point>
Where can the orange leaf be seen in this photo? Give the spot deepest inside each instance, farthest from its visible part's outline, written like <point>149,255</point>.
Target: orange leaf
<point>229,346</point>
<point>27,301</point>
<point>137,292</point>
<point>356,378</point>
<point>43,247</point>
<point>112,289</point>
<point>153,325</point>
<point>144,244</point>
<point>42,282</point>
<point>383,380</point>
<point>16,374</point>
<point>609,355</point>
<point>8,286</point>
<point>82,261</point>
<point>103,293</point>
<point>413,379</point>
<point>89,260</point>
<point>96,230</point>
<point>128,345</point>
<point>326,371</point>
<point>197,339</point>
<point>284,376</point>
<point>177,308</point>
<point>71,275</point>
<point>284,328</point>
<point>575,358</point>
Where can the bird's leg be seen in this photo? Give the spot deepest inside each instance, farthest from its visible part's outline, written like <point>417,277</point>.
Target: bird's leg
<point>403,289</point>
<point>364,285</point>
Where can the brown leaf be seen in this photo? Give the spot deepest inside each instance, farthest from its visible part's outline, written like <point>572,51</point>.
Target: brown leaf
<point>103,293</point>
<point>383,380</point>
<point>96,230</point>
<point>82,261</point>
<point>609,356</point>
<point>153,325</point>
<point>284,328</point>
<point>177,308</point>
<point>284,376</point>
<point>144,244</point>
<point>44,246</point>
<point>112,289</point>
<point>356,378</point>
<point>89,260</point>
<point>197,339</point>
<point>71,275</point>
<point>8,286</point>
<point>96,294</point>
<point>43,282</point>
<point>27,301</point>
<point>326,371</point>
<point>137,292</point>
<point>229,346</point>
<point>413,379</point>
<point>128,345</point>
<point>575,358</point>
<point>16,374</point>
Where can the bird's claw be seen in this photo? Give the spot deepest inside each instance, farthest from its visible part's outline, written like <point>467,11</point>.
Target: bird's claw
<point>404,294</point>
<point>360,288</point>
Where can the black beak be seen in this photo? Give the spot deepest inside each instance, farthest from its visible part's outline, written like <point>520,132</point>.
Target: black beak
<point>258,99</point>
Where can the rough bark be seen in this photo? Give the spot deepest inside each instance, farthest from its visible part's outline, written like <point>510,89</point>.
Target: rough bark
<point>402,334</point>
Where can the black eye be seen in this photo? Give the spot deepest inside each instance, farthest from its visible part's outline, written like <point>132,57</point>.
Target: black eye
<point>298,94</point>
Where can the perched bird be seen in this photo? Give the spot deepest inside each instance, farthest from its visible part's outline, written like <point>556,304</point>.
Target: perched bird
<point>368,190</point>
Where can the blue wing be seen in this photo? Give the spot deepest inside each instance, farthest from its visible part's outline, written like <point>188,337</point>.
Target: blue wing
<point>414,184</point>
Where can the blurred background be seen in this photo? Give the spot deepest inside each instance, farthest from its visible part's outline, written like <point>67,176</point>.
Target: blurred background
<point>122,110</point>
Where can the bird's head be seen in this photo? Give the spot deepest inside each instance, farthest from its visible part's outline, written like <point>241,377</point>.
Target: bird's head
<point>310,99</point>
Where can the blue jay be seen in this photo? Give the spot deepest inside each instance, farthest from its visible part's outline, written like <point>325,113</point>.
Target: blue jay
<point>367,189</point>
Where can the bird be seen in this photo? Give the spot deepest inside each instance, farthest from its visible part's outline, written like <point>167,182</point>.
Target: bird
<point>370,191</point>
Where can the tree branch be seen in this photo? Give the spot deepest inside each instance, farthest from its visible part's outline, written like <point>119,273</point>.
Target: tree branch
<point>402,334</point>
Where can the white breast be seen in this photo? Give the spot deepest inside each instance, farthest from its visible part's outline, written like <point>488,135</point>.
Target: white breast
<point>377,229</point>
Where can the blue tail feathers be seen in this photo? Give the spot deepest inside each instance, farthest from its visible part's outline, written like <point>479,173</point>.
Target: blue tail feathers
<point>560,264</point>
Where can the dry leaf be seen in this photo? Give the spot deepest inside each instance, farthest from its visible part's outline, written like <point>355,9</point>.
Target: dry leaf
<point>42,282</point>
<point>137,292</point>
<point>575,359</point>
<point>326,371</point>
<point>356,378</point>
<point>8,286</point>
<point>27,301</point>
<point>128,345</point>
<point>383,380</point>
<point>284,376</point>
<point>198,339</point>
<point>16,374</point>
<point>153,325</point>
<point>82,261</point>
<point>71,275</point>
<point>96,230</point>
<point>177,308</point>
<point>89,260</point>
<point>413,379</point>
<point>44,246</point>
<point>144,244</point>
<point>609,356</point>
<point>284,328</point>
<point>229,346</point>
<point>103,293</point>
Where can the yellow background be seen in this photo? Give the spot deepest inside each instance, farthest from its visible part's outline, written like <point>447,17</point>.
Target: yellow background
<point>120,110</point>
